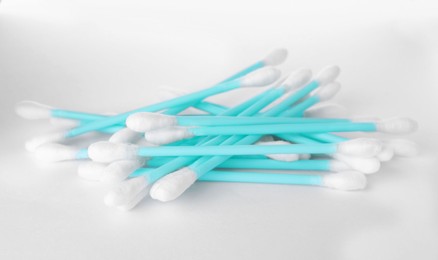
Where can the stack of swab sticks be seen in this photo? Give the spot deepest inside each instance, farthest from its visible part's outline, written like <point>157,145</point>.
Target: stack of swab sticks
<point>226,144</point>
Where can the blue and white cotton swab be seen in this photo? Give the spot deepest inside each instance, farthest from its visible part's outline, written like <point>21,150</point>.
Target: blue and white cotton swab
<point>172,134</point>
<point>118,171</point>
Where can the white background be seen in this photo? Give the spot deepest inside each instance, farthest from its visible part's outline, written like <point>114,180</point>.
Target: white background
<point>104,56</point>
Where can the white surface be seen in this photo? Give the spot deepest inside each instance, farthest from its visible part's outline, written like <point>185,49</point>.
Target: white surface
<point>109,56</point>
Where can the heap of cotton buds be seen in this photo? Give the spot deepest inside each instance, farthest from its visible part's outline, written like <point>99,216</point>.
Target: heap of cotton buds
<point>295,134</point>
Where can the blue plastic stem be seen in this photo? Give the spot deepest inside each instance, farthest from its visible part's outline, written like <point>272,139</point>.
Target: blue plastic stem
<point>283,128</point>
<point>233,121</point>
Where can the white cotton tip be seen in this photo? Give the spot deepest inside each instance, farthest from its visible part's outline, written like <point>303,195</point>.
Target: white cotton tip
<point>403,147</point>
<point>275,57</point>
<point>107,152</point>
<point>386,154</point>
<point>126,136</point>
<point>365,147</point>
<point>348,180</point>
<point>53,152</point>
<point>173,185</point>
<point>398,125</point>
<point>147,121</point>
<point>118,171</point>
<point>363,165</point>
<point>91,171</point>
<point>297,79</point>
<point>280,157</point>
<point>125,191</point>
<point>304,156</point>
<point>328,91</point>
<point>328,74</point>
<point>35,142</point>
<point>63,122</point>
<point>134,201</point>
<point>167,135</point>
<point>326,110</point>
<point>261,77</point>
<point>33,110</point>
<point>338,166</point>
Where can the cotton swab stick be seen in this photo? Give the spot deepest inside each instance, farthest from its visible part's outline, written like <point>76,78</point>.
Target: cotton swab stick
<point>172,134</point>
<point>347,181</point>
<point>399,125</point>
<point>120,170</point>
<point>267,164</point>
<point>208,107</point>
<point>127,168</point>
<point>128,196</point>
<point>143,122</point>
<point>68,118</point>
